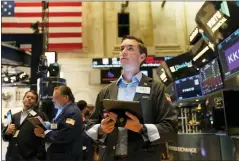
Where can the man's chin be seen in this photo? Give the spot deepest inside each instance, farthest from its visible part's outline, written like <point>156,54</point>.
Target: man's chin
<point>128,67</point>
<point>28,106</point>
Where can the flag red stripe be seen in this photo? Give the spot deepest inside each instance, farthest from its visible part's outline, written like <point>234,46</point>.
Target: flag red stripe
<point>50,24</point>
<point>56,4</point>
<point>32,14</point>
<point>54,35</point>
<point>51,14</point>
<point>54,46</point>
<point>28,4</point>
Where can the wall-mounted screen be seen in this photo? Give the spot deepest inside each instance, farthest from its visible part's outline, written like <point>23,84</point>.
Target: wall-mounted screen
<point>51,57</point>
<point>210,77</point>
<point>181,66</point>
<point>150,62</point>
<point>109,75</point>
<point>229,54</point>
<point>188,87</point>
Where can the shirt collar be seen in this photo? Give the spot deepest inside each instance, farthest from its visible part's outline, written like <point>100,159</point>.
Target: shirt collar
<point>65,105</point>
<point>27,111</point>
<point>136,78</point>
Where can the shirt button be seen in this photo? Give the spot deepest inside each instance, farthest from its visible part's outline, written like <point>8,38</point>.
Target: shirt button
<point>113,147</point>
<point>16,144</point>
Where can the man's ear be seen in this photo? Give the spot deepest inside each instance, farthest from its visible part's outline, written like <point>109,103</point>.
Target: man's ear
<point>143,57</point>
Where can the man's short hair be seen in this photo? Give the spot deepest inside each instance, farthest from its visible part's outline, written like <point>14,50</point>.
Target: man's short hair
<point>81,104</point>
<point>142,48</point>
<point>33,92</point>
<point>64,90</point>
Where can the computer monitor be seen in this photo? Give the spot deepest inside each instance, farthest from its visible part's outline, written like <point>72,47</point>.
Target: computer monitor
<point>51,57</point>
<point>181,66</point>
<point>210,77</point>
<point>109,75</point>
<point>229,55</point>
<point>188,87</point>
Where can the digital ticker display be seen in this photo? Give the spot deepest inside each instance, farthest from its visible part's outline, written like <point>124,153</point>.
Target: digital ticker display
<point>210,77</point>
<point>188,87</point>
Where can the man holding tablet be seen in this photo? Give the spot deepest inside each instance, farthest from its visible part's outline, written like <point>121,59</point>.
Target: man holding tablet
<point>23,144</point>
<point>132,138</point>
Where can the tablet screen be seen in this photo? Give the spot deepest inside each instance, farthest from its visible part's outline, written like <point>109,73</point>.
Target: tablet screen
<point>9,117</point>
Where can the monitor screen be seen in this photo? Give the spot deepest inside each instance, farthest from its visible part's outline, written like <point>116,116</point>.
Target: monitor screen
<point>51,57</point>
<point>151,61</point>
<point>218,19</point>
<point>229,54</point>
<point>106,63</point>
<point>109,75</point>
<point>188,87</point>
<point>181,66</point>
<point>210,77</point>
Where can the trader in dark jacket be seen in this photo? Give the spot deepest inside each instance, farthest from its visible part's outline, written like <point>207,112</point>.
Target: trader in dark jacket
<point>23,144</point>
<point>133,139</point>
<point>88,146</point>
<point>64,135</point>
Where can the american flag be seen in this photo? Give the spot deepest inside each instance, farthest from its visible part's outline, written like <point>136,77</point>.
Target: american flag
<point>65,21</point>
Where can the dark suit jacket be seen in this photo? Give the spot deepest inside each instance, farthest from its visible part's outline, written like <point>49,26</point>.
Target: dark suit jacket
<point>26,145</point>
<point>156,110</point>
<point>66,140</point>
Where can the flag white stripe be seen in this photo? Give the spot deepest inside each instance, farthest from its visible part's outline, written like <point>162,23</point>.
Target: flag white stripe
<point>65,40</point>
<point>35,19</point>
<point>51,30</point>
<point>51,9</point>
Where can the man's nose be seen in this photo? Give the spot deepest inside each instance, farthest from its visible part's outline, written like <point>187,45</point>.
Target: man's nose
<point>124,52</point>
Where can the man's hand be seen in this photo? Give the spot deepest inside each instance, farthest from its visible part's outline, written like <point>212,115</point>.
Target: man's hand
<point>38,131</point>
<point>11,129</point>
<point>108,124</point>
<point>133,123</point>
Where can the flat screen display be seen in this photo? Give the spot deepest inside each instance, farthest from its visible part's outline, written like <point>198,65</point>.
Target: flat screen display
<point>109,75</point>
<point>151,61</point>
<point>9,117</point>
<point>229,54</point>
<point>51,57</point>
<point>218,19</point>
<point>181,66</point>
<point>210,77</point>
<point>188,87</point>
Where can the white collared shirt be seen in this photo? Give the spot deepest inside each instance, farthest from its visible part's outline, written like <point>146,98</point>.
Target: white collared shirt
<point>24,115</point>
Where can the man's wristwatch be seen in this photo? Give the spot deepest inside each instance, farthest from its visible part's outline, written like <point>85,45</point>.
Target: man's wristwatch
<point>143,131</point>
